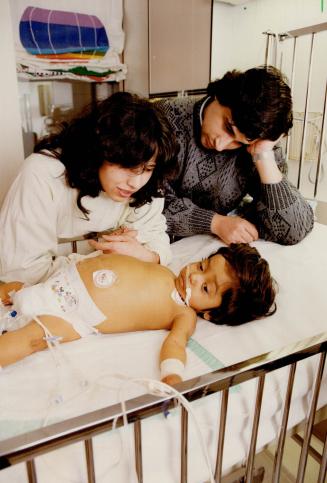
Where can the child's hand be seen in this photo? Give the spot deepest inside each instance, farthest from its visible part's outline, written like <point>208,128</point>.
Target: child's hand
<point>172,379</point>
<point>6,288</point>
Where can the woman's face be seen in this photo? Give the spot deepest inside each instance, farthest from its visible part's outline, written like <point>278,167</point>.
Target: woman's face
<point>218,130</point>
<point>120,183</point>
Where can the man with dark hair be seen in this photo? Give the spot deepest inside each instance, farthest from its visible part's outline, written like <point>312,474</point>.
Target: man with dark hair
<point>228,149</point>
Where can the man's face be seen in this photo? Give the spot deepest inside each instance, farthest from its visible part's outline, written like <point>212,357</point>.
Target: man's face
<point>218,130</point>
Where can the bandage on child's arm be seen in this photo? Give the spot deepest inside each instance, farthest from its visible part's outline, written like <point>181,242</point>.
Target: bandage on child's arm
<point>170,367</point>
<point>173,350</point>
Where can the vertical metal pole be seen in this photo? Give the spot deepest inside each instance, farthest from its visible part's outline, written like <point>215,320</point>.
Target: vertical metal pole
<point>138,449</point>
<point>267,47</point>
<point>210,47</point>
<point>184,437</point>
<point>323,464</point>
<point>149,49</point>
<point>308,430</point>
<point>93,93</point>
<point>31,471</point>
<point>221,436</point>
<point>74,246</point>
<point>258,403</point>
<point>292,86</point>
<point>281,62</point>
<point>89,460</point>
<point>275,44</point>
<point>282,435</point>
<point>305,113</point>
<point>321,144</point>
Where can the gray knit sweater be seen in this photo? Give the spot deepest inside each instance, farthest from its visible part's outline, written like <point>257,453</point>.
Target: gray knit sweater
<point>209,182</point>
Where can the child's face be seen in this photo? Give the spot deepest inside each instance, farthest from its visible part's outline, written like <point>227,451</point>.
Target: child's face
<point>207,280</point>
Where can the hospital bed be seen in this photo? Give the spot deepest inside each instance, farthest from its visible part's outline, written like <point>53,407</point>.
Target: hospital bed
<point>65,421</point>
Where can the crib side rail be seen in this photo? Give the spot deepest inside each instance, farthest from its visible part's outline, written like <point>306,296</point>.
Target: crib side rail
<point>93,235</point>
<point>30,445</point>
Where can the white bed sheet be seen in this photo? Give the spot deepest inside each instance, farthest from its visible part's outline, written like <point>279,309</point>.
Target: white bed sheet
<point>31,390</point>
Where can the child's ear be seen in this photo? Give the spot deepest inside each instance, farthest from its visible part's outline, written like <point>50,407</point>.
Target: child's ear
<point>206,315</point>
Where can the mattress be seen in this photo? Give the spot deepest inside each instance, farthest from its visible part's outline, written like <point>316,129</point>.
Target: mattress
<point>93,371</point>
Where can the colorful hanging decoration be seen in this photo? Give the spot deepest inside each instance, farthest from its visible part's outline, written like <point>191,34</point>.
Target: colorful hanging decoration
<point>55,34</point>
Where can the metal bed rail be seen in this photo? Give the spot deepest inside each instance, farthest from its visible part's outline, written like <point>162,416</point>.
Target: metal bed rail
<point>26,447</point>
<point>271,41</point>
<point>93,235</point>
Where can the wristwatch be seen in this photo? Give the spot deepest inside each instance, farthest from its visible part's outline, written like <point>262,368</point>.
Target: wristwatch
<point>263,156</point>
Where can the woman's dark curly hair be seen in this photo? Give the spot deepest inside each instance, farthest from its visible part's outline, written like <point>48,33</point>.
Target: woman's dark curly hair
<point>254,295</point>
<point>260,101</point>
<point>123,129</point>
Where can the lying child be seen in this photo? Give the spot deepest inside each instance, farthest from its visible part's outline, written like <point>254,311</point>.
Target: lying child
<point>112,293</point>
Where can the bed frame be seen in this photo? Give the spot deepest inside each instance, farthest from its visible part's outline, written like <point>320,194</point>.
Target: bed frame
<point>26,447</point>
<point>272,40</point>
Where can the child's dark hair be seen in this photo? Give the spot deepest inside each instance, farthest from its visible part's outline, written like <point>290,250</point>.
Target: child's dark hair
<point>254,295</point>
<point>123,129</point>
<point>260,101</point>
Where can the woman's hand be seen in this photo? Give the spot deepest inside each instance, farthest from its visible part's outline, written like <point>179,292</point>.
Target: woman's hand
<point>233,229</point>
<point>124,241</point>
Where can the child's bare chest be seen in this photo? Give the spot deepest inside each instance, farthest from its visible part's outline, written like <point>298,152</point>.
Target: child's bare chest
<point>137,301</point>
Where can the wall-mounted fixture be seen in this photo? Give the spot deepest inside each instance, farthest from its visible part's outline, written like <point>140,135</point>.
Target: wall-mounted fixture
<point>233,2</point>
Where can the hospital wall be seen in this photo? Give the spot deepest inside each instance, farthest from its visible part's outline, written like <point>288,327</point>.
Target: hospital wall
<point>238,40</point>
<point>11,142</point>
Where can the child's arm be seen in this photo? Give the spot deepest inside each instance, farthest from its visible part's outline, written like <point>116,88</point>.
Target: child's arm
<point>6,288</point>
<point>173,353</point>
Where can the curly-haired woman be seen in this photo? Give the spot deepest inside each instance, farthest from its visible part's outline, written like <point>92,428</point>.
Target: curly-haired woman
<point>104,170</point>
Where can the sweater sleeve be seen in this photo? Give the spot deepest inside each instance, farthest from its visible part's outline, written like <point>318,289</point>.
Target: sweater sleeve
<point>280,212</point>
<point>184,216</point>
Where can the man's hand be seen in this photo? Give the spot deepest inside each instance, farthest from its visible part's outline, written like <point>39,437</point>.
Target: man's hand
<point>233,229</point>
<point>264,159</point>
<point>261,145</point>
<point>124,241</point>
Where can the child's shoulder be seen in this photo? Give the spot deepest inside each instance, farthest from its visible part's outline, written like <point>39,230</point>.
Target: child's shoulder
<point>184,321</point>
<point>185,314</point>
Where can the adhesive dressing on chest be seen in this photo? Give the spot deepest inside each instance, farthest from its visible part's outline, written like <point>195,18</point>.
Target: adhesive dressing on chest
<point>104,278</point>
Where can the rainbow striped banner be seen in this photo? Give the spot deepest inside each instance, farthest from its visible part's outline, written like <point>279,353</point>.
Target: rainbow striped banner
<point>55,34</point>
